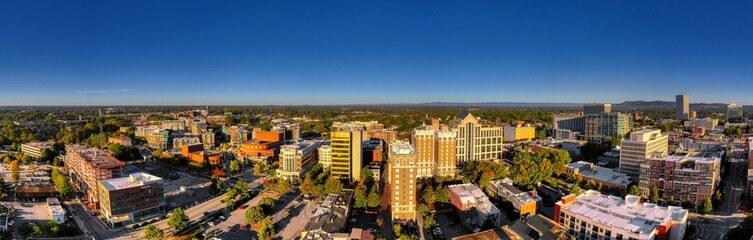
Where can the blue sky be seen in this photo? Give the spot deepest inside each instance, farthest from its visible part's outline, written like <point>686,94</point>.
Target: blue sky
<point>342,52</point>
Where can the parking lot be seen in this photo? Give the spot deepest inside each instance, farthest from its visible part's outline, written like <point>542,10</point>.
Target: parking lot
<point>31,211</point>
<point>181,189</point>
<point>448,222</point>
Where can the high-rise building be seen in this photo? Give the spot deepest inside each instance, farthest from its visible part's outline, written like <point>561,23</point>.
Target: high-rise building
<point>734,111</point>
<point>446,154</point>
<point>86,166</point>
<point>402,168</point>
<point>641,145</point>
<point>596,108</point>
<point>604,126</point>
<point>135,198</point>
<point>347,156</point>
<point>475,141</point>
<point>682,107</point>
<point>689,177</point>
<point>425,141</point>
<point>593,215</point>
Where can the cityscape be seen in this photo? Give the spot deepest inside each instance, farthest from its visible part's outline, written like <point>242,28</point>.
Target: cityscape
<point>341,120</point>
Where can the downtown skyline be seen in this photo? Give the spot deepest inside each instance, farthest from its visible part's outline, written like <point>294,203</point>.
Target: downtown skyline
<point>332,53</point>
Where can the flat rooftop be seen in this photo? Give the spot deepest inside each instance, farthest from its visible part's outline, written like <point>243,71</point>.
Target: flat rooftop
<point>627,213</point>
<point>472,195</point>
<point>332,214</point>
<point>133,180</point>
<point>96,157</point>
<point>39,144</point>
<point>56,210</point>
<point>402,148</point>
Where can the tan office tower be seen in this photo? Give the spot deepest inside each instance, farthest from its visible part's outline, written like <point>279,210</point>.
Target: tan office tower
<point>475,141</point>
<point>346,157</point>
<point>682,107</point>
<point>641,145</point>
<point>446,154</point>
<point>596,108</point>
<point>402,166</point>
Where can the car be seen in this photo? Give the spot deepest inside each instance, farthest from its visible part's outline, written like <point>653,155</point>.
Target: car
<point>210,224</point>
<point>353,220</point>
<point>244,228</point>
<point>242,207</point>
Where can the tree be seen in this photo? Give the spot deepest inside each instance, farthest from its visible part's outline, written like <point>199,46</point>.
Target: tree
<point>37,230</point>
<point>360,196</point>
<point>374,199</point>
<point>14,170</point>
<point>634,190</point>
<point>429,221</point>
<point>654,195</point>
<point>267,230</point>
<point>397,230</point>
<point>218,173</point>
<point>442,195</point>
<point>61,182</point>
<point>53,228</point>
<point>742,231</point>
<point>241,187</point>
<point>308,186</point>
<point>254,214</point>
<point>561,160</point>
<point>707,206</point>
<point>267,205</point>
<point>178,220</point>
<point>540,134</point>
<point>153,233</point>
<point>575,189</point>
<point>366,175</point>
<point>333,186</point>
<point>47,155</point>
<point>235,167</point>
<point>485,179</point>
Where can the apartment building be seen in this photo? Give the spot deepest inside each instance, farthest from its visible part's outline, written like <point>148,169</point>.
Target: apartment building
<point>402,170</point>
<point>593,215</point>
<point>158,139</point>
<point>706,123</point>
<point>385,135</point>
<point>605,176</point>
<point>179,142</point>
<point>642,144</point>
<point>297,159</point>
<point>86,166</point>
<point>690,176</point>
<point>473,206</point>
<point>346,157</point>
<point>131,199</point>
<point>238,135</point>
<point>475,141</point>
<point>123,140</point>
<point>34,149</point>
<point>173,125</point>
<point>208,139</point>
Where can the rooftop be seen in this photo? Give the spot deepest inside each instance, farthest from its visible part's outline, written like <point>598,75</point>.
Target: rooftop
<point>332,214</point>
<point>56,210</point>
<point>39,144</point>
<point>133,180</point>
<point>402,148</point>
<point>627,213</point>
<point>471,195</point>
<point>96,157</point>
<point>516,195</point>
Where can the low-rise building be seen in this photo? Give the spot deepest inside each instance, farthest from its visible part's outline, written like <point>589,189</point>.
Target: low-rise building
<point>123,140</point>
<point>519,134</point>
<point>332,214</point>
<point>135,198</point>
<point>573,147</point>
<point>707,123</point>
<point>297,159</point>
<point>385,135</point>
<point>158,139</point>
<point>473,206</point>
<point>34,149</point>
<point>56,211</point>
<point>605,176</point>
<point>565,134</point>
<point>179,142</point>
<point>535,227</point>
<point>525,203</point>
<point>593,215</point>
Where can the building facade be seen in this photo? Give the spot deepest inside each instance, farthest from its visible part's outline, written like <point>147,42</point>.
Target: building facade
<point>86,166</point>
<point>34,149</point>
<point>519,134</point>
<point>641,145</point>
<point>570,122</point>
<point>596,108</point>
<point>525,203</point>
<point>475,141</point>
<point>238,135</point>
<point>593,215</point>
<point>158,139</point>
<point>123,140</point>
<point>346,157</point>
<point>179,142</point>
<point>135,198</point>
<point>296,159</point>
<point>682,178</point>
<point>734,111</point>
<point>604,126</point>
<point>473,206</point>
<point>707,123</point>
<point>325,155</point>
<point>402,168</point>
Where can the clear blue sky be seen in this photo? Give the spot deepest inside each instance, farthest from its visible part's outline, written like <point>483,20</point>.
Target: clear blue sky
<point>340,52</point>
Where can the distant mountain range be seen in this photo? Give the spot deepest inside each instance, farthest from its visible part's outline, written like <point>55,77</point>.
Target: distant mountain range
<point>623,105</point>
<point>664,105</point>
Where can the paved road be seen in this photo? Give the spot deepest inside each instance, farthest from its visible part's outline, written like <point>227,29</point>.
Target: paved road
<point>230,228</point>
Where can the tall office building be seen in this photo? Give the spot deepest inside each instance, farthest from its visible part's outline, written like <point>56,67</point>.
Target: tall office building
<point>475,141</point>
<point>436,152</point>
<point>346,157</point>
<point>604,126</point>
<point>402,166</point>
<point>640,146</point>
<point>682,107</point>
<point>597,108</point>
<point>734,111</point>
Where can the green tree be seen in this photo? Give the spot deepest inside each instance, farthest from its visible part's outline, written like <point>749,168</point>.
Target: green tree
<point>397,230</point>
<point>308,186</point>
<point>47,155</point>
<point>367,175</point>
<point>374,199</point>
<point>267,230</point>
<point>153,233</point>
<point>360,196</point>
<point>540,134</point>
<point>241,187</point>
<point>429,221</point>
<point>654,195</point>
<point>267,204</point>
<point>37,230</point>
<point>707,206</point>
<point>486,179</point>
<point>634,190</point>
<point>254,214</point>
<point>14,170</point>
<point>575,189</point>
<point>235,167</point>
<point>742,231</point>
<point>333,186</point>
<point>442,195</point>
<point>178,220</point>
<point>561,160</point>
<point>26,159</point>
<point>53,228</point>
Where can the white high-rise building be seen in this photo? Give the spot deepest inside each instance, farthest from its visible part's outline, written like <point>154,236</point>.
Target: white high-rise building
<point>640,146</point>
